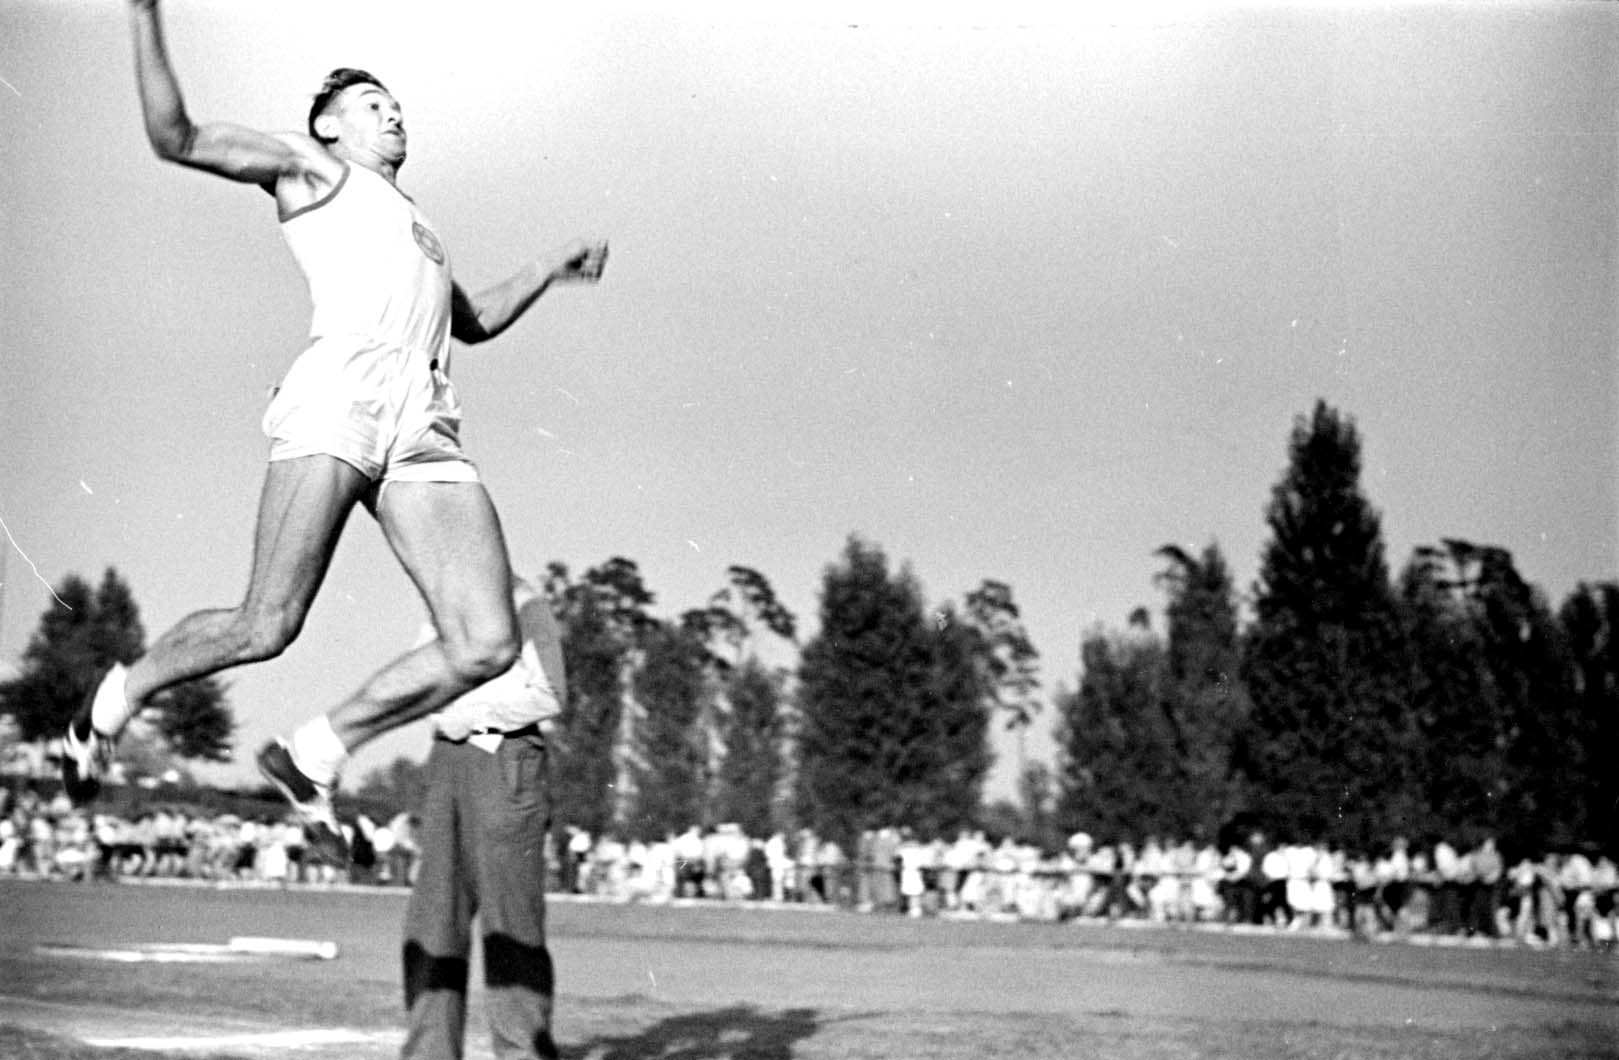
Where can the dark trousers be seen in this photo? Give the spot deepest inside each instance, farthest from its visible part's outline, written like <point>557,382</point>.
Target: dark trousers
<point>1447,909</point>
<point>1272,900</point>
<point>482,842</point>
<point>1483,900</point>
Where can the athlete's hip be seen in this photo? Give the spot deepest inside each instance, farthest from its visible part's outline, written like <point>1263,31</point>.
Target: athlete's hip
<point>366,360</point>
<point>362,376</point>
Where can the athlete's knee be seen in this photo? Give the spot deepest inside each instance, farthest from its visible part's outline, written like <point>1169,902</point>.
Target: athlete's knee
<point>266,631</point>
<point>481,657</point>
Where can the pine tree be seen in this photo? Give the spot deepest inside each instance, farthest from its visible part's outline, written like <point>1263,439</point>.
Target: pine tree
<point>603,617</point>
<point>1590,622</point>
<point>749,602</point>
<point>1548,737</point>
<point>670,768</point>
<point>892,719</point>
<point>953,748</point>
<point>752,767</point>
<point>1010,663</point>
<point>83,632</point>
<point>1116,747</point>
<point>58,665</point>
<point>1204,697</point>
<point>1331,750</point>
<point>743,722</point>
<point>1458,709</point>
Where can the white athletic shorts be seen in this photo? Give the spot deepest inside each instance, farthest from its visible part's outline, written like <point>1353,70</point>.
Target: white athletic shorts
<point>389,411</point>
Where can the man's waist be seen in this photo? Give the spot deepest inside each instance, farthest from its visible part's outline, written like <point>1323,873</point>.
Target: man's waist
<point>350,345</point>
<point>530,729</point>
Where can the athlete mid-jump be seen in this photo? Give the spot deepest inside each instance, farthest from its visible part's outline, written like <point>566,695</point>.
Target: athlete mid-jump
<point>366,414</point>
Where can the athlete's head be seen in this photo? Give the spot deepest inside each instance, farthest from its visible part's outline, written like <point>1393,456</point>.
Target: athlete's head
<point>354,107</point>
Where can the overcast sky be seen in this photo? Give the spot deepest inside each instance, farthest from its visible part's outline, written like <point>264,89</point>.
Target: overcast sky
<point>1010,298</point>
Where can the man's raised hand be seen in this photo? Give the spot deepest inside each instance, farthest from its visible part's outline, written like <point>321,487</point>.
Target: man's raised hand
<point>582,262</point>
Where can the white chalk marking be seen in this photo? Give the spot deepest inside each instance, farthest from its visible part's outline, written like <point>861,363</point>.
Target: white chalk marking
<point>240,948</point>
<point>162,955</point>
<point>323,950</point>
<point>262,1039</point>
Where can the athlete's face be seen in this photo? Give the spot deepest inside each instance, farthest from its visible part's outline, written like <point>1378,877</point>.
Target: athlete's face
<point>370,120</point>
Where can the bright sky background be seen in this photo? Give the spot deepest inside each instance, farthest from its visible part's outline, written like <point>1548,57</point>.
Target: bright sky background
<point>1011,298</point>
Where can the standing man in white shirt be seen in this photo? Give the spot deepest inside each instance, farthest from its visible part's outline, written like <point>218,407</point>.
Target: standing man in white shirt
<point>482,853</point>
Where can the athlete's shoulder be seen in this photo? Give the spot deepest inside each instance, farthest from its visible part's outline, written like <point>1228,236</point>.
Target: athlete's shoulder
<point>311,158</point>
<point>312,175</point>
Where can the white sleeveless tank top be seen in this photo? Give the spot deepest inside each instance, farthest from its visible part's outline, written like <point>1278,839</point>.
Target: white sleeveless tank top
<point>374,266</point>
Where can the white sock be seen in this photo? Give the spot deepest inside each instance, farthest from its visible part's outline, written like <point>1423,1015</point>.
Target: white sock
<point>110,711</point>
<point>317,752</point>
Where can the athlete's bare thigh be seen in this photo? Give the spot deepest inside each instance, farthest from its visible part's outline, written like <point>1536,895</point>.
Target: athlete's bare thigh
<point>449,539</point>
<point>305,502</point>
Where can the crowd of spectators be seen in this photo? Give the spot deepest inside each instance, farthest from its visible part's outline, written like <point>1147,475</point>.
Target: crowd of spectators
<point>1435,891</point>
<point>1565,898</point>
<point>48,838</point>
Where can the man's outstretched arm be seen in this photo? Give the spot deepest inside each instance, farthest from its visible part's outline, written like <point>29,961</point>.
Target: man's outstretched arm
<point>480,317</point>
<point>231,151</point>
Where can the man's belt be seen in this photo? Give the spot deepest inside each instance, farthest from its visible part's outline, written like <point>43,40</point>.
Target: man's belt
<point>531,729</point>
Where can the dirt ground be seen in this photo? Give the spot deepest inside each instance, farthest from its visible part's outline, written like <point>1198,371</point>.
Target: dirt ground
<point>737,982</point>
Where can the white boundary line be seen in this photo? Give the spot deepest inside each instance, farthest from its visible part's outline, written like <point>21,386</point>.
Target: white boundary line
<point>237,949</point>
<point>303,1039</point>
<point>175,1034</point>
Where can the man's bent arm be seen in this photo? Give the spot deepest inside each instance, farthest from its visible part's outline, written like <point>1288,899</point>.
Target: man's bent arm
<point>478,318</point>
<point>230,151</point>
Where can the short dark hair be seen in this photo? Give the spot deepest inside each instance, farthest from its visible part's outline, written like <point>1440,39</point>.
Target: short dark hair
<point>336,81</point>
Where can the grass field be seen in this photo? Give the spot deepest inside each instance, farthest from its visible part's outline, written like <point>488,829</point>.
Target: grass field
<point>759,984</point>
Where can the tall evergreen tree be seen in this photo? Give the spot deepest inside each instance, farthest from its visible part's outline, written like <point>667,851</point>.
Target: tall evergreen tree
<point>603,617</point>
<point>1010,663</point>
<point>622,597</point>
<point>952,751</point>
<point>80,634</point>
<point>1590,621</point>
<point>1457,706</point>
<point>1116,748</point>
<point>1204,697</point>
<point>670,770</point>
<point>744,712</point>
<point>1331,749</point>
<point>891,707</point>
<point>745,611</point>
<point>752,767</point>
<point>115,629</point>
<point>1548,737</point>
<point>58,665</point>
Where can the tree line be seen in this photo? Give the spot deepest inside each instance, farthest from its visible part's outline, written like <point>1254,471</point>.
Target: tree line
<point>1342,704</point>
<point>721,714</point>
<point>1334,701</point>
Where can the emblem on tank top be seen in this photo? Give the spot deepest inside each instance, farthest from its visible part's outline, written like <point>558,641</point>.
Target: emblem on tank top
<point>428,242</point>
